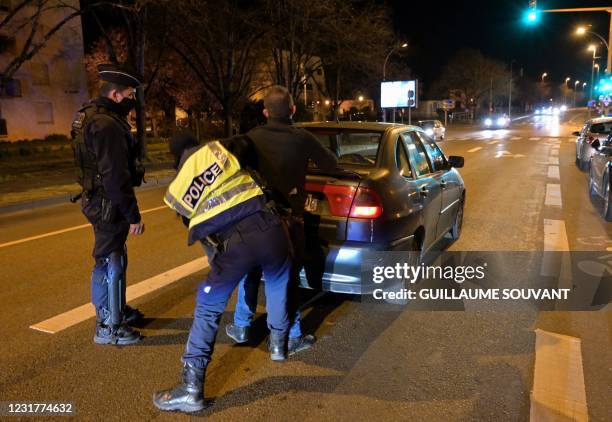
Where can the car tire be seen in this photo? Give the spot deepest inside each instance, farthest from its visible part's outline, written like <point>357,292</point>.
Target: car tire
<point>607,199</point>
<point>455,230</point>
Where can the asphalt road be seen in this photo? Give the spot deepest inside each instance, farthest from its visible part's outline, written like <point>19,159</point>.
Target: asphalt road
<point>395,364</point>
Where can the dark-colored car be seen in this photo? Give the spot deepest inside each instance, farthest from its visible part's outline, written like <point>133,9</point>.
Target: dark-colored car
<point>394,190</point>
<point>600,174</point>
<point>594,129</point>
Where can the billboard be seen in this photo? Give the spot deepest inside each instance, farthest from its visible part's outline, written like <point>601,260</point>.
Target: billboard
<point>398,94</point>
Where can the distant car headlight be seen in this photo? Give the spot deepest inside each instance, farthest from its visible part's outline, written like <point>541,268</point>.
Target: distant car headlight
<point>488,122</point>
<point>501,121</point>
<point>429,131</point>
<point>556,111</point>
<point>537,111</point>
<point>563,108</point>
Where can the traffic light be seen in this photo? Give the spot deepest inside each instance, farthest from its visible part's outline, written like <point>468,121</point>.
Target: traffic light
<point>532,15</point>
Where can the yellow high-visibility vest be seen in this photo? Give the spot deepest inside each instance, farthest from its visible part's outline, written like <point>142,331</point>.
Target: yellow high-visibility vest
<point>210,183</point>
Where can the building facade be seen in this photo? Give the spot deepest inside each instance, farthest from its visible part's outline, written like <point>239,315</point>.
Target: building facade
<point>43,95</point>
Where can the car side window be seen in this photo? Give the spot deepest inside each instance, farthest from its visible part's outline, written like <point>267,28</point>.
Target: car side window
<point>401,159</point>
<point>417,154</point>
<point>436,156</point>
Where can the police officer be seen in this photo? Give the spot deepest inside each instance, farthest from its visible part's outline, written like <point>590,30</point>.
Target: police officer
<point>108,169</point>
<point>229,211</point>
<point>283,152</point>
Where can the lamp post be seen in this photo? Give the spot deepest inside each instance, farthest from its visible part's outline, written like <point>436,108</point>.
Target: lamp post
<point>592,48</point>
<point>575,88</point>
<point>566,89</point>
<point>543,76</point>
<point>404,45</point>
<point>581,30</point>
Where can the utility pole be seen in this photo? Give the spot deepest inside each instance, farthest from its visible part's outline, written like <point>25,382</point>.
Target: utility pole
<point>491,97</point>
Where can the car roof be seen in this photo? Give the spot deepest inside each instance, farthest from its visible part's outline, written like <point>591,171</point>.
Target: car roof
<point>374,126</point>
<point>600,120</point>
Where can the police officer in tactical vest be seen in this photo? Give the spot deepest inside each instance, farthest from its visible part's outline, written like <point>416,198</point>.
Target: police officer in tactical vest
<point>225,204</point>
<point>108,170</point>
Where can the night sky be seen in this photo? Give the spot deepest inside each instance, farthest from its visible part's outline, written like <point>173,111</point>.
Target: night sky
<point>436,29</point>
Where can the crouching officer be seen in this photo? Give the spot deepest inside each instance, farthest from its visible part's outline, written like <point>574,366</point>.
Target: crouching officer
<point>108,169</point>
<point>228,210</point>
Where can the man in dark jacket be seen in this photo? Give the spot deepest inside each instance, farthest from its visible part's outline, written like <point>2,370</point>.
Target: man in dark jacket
<point>106,159</point>
<point>283,152</point>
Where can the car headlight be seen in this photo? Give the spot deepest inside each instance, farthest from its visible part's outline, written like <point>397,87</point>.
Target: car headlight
<point>556,111</point>
<point>537,111</point>
<point>563,108</point>
<point>501,121</point>
<point>429,131</point>
<point>488,122</point>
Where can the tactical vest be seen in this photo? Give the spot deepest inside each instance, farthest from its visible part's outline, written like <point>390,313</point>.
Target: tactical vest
<point>212,190</point>
<point>85,160</point>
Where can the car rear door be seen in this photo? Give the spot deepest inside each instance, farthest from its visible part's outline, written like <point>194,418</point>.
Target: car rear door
<point>428,185</point>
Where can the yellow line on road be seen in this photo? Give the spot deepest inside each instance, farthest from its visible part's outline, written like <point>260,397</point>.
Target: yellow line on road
<point>66,230</point>
<point>74,316</point>
<point>558,384</point>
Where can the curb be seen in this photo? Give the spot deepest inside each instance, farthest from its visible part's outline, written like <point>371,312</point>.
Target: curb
<point>152,182</point>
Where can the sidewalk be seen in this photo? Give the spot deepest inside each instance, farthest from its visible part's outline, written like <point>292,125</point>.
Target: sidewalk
<point>32,182</point>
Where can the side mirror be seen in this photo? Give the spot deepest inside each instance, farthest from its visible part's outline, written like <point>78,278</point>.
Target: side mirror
<point>576,133</point>
<point>595,144</point>
<point>455,161</point>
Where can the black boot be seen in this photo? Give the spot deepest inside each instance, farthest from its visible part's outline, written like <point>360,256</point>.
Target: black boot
<point>277,345</point>
<point>131,315</point>
<point>188,396</point>
<point>238,334</point>
<point>116,334</point>
<point>298,344</point>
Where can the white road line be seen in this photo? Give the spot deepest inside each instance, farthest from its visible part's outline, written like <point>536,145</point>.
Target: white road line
<point>69,229</point>
<point>553,195</point>
<point>553,172</point>
<point>474,149</point>
<point>74,316</point>
<point>554,152</point>
<point>493,142</point>
<point>553,160</point>
<point>516,138</point>
<point>534,139</point>
<point>558,391</point>
<point>555,235</point>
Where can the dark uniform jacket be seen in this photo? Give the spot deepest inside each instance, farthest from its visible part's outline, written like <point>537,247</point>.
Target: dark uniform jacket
<point>283,152</point>
<point>109,137</point>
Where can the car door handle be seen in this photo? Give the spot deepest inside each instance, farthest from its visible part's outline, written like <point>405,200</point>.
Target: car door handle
<point>424,191</point>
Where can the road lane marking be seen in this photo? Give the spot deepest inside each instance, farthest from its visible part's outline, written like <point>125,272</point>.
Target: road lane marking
<point>553,172</point>
<point>534,139</point>
<point>474,149</point>
<point>79,314</point>
<point>558,383</point>
<point>553,195</point>
<point>493,142</point>
<point>66,230</point>
<point>554,152</point>
<point>553,160</point>
<point>555,235</point>
<point>516,138</point>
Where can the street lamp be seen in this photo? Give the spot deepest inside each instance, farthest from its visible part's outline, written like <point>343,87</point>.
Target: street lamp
<point>543,76</point>
<point>596,66</point>
<point>566,89</point>
<point>592,48</point>
<point>575,88</point>
<point>360,98</point>
<point>404,45</point>
<point>581,30</point>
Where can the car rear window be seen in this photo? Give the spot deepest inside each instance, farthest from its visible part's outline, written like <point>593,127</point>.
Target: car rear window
<point>351,146</point>
<point>601,128</point>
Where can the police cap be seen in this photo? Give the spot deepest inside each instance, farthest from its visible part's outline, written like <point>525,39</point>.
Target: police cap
<point>119,74</point>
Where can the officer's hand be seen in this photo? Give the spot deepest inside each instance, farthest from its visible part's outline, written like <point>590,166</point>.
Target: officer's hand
<point>137,229</point>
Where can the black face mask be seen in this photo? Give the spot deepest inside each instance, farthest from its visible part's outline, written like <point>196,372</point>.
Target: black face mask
<point>126,105</point>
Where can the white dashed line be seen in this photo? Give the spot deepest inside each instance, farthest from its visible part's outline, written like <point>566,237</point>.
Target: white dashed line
<point>553,160</point>
<point>553,195</point>
<point>493,142</point>
<point>553,172</point>
<point>555,235</point>
<point>474,149</point>
<point>534,139</point>
<point>554,152</point>
<point>516,138</point>
<point>74,316</point>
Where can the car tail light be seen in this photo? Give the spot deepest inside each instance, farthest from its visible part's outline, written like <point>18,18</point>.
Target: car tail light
<point>349,201</point>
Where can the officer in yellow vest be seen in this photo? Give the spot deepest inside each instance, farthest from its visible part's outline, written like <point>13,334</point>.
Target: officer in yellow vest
<point>228,210</point>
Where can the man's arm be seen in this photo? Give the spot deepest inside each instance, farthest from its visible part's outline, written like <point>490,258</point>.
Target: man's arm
<point>324,158</point>
<point>109,145</point>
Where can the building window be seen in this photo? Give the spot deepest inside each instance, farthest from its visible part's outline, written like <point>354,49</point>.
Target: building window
<point>11,88</point>
<point>43,112</point>
<point>40,74</point>
<point>8,44</point>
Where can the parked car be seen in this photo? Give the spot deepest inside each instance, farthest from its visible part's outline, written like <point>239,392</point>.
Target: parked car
<point>600,174</point>
<point>593,129</point>
<point>496,121</point>
<point>433,128</point>
<point>394,190</point>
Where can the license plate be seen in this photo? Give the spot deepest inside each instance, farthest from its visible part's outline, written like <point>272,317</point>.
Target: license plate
<point>311,204</point>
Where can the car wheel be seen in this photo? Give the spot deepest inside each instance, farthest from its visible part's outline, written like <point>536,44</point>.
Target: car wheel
<point>607,200</point>
<point>455,230</point>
